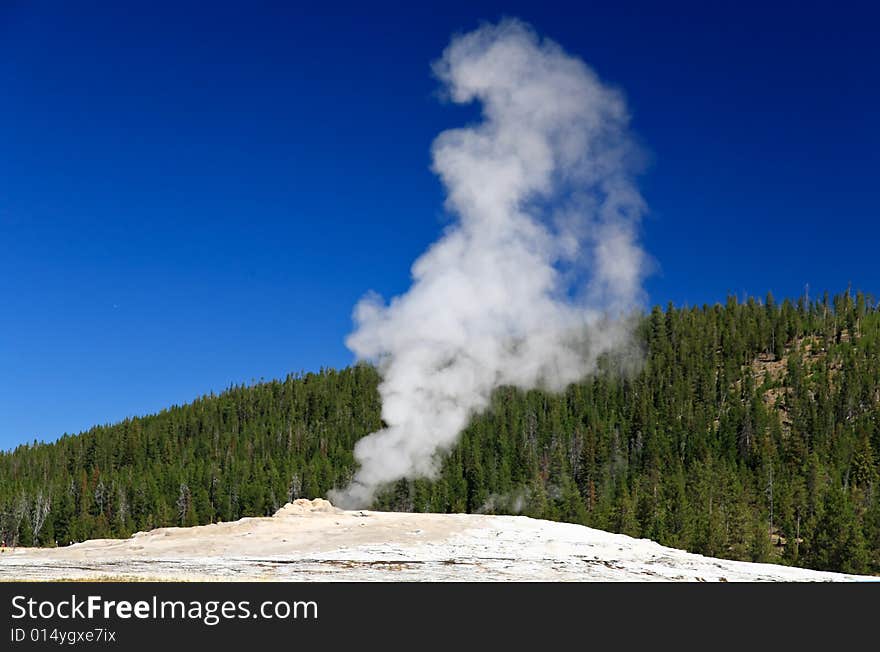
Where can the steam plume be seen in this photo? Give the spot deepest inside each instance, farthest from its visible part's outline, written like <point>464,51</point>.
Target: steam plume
<point>526,287</point>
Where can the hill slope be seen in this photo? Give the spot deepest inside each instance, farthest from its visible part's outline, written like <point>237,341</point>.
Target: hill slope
<point>750,431</point>
<point>312,541</point>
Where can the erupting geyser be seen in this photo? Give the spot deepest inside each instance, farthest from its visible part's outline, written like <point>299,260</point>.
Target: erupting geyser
<point>529,284</point>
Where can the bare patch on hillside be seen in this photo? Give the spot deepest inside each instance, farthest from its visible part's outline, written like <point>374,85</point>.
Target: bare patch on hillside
<point>772,373</point>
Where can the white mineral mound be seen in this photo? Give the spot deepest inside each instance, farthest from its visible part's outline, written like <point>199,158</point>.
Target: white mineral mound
<point>313,540</point>
<point>305,506</point>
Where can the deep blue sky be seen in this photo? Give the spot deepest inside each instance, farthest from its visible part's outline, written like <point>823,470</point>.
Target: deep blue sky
<point>197,196</point>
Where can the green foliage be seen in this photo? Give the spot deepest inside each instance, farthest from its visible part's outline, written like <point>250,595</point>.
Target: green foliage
<point>750,432</point>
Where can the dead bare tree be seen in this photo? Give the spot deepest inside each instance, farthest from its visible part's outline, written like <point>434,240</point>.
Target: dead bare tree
<point>295,489</point>
<point>121,505</point>
<point>100,496</point>
<point>18,513</point>
<point>183,502</point>
<point>42,507</point>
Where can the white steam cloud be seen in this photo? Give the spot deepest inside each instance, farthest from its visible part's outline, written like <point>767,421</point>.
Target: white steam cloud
<point>528,286</point>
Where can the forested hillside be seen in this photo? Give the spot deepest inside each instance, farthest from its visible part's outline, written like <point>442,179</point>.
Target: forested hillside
<point>750,432</point>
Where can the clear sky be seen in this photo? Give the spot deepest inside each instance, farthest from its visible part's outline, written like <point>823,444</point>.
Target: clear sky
<point>196,194</point>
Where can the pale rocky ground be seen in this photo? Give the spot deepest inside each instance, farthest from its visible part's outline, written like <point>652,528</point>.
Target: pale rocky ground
<point>314,541</point>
